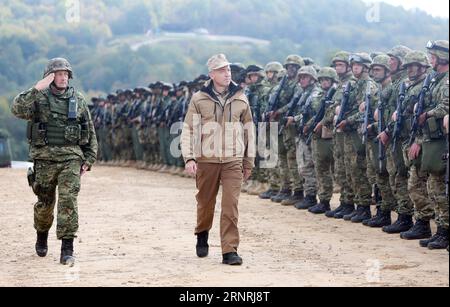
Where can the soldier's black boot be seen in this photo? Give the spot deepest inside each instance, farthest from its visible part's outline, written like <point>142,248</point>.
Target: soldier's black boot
<point>41,244</point>
<point>362,213</point>
<point>420,230</point>
<point>268,194</point>
<point>348,209</point>
<point>308,202</point>
<point>441,241</point>
<point>298,196</point>
<point>67,252</point>
<point>202,246</point>
<point>332,213</point>
<point>282,195</point>
<point>321,207</point>
<point>404,223</point>
<point>383,218</point>
<point>232,259</point>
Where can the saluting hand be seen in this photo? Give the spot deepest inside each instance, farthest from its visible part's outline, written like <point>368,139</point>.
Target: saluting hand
<point>45,83</point>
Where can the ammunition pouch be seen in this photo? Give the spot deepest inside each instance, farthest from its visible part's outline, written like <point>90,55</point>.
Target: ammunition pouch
<point>432,151</point>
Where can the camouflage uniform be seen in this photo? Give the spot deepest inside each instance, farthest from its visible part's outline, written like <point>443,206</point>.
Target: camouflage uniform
<point>58,154</point>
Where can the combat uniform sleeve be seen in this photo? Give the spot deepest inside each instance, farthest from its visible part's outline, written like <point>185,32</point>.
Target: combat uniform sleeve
<point>23,104</point>
<point>442,104</point>
<point>90,149</point>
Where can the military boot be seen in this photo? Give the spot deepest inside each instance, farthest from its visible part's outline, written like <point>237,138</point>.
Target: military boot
<point>268,194</point>
<point>362,213</point>
<point>404,223</point>
<point>202,247</point>
<point>348,217</point>
<point>295,198</point>
<point>41,244</point>
<point>282,195</point>
<point>320,208</point>
<point>67,252</point>
<point>441,240</point>
<point>346,210</point>
<point>383,218</point>
<point>232,259</point>
<point>308,202</point>
<point>332,213</point>
<point>420,230</point>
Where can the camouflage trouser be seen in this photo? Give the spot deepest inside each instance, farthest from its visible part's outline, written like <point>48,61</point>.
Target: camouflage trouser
<point>283,169</point>
<point>355,162</point>
<point>65,176</point>
<point>273,173</point>
<point>126,145</point>
<point>323,163</point>
<point>117,136</point>
<point>289,136</point>
<point>399,172</point>
<point>105,144</point>
<point>306,167</point>
<point>340,172</point>
<point>436,190</point>
<point>381,176</point>
<point>163,137</point>
<point>137,146</point>
<point>417,188</point>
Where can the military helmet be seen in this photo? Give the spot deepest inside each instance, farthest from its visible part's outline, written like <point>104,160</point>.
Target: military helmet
<point>120,92</point>
<point>399,52</point>
<point>236,67</point>
<point>58,64</point>
<point>294,60</point>
<point>328,72</point>
<point>167,86</point>
<point>361,58</point>
<point>381,60</point>
<point>253,69</point>
<point>374,54</point>
<point>341,56</point>
<point>416,57</point>
<point>274,67</point>
<point>308,61</point>
<point>439,48</point>
<point>308,71</point>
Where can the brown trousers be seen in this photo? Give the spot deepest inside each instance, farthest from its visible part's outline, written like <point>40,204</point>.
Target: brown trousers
<point>209,177</point>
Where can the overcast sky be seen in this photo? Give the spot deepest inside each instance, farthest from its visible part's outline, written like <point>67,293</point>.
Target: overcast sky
<point>433,7</point>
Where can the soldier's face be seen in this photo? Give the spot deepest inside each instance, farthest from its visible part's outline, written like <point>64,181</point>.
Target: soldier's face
<point>378,73</point>
<point>357,69</point>
<point>415,71</point>
<point>434,61</point>
<point>394,64</point>
<point>325,83</point>
<point>221,77</point>
<point>61,79</point>
<point>292,70</point>
<point>253,78</point>
<point>270,75</point>
<point>305,81</point>
<point>341,68</point>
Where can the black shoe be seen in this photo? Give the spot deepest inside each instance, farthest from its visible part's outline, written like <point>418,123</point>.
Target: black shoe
<point>349,216</point>
<point>67,252</point>
<point>383,218</point>
<point>365,222</point>
<point>41,244</point>
<point>321,208</point>
<point>421,230</point>
<point>348,209</point>
<point>403,223</point>
<point>362,213</point>
<point>268,194</point>
<point>424,243</point>
<point>298,196</point>
<point>308,202</point>
<point>332,213</point>
<point>232,259</point>
<point>441,241</point>
<point>282,195</point>
<point>202,246</point>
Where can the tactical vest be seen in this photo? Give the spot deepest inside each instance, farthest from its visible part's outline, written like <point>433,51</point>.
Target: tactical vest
<point>58,123</point>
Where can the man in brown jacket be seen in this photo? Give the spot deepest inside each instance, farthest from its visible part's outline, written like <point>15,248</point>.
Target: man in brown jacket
<point>218,147</point>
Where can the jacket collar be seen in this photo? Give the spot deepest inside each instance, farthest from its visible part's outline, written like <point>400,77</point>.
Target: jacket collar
<point>233,89</point>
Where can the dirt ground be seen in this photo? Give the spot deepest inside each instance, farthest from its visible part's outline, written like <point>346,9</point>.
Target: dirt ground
<point>136,229</point>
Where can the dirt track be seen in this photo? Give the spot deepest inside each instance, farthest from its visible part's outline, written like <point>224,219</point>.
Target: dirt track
<point>136,229</point>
